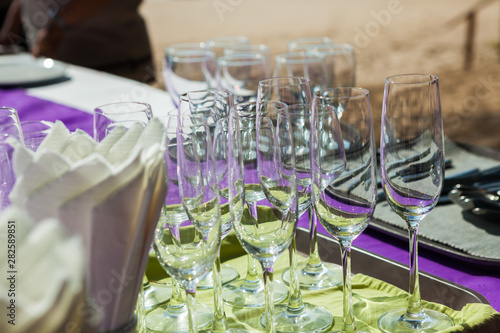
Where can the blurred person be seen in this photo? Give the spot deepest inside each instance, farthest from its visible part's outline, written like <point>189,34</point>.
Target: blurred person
<point>107,35</point>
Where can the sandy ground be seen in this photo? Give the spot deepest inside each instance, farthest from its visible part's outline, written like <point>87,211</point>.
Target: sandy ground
<point>390,37</point>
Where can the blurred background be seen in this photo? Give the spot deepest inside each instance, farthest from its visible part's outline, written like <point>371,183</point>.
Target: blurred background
<point>389,36</point>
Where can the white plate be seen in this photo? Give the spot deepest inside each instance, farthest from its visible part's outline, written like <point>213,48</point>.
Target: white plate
<point>23,69</point>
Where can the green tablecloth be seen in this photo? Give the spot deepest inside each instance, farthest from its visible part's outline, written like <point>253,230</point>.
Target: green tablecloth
<point>371,297</point>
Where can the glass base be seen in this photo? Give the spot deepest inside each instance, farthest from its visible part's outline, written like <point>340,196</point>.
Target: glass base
<point>311,318</point>
<point>166,320</point>
<point>247,294</point>
<point>230,330</point>
<point>395,321</point>
<point>155,295</point>
<point>228,274</point>
<point>323,276</point>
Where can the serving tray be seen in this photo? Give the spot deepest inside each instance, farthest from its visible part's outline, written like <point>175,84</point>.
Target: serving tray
<point>434,289</point>
<point>441,248</point>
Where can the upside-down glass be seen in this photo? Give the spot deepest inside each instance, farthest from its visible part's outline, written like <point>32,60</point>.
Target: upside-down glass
<point>218,44</point>
<point>412,168</point>
<point>119,114</point>
<point>186,69</point>
<point>187,250</point>
<point>340,63</point>
<point>173,316</point>
<point>295,316</point>
<point>240,74</point>
<point>301,64</point>
<point>345,204</point>
<point>305,43</point>
<point>249,291</point>
<point>267,240</point>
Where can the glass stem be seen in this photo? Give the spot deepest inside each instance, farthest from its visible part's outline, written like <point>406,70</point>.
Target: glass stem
<point>191,304</point>
<point>348,322</point>
<point>176,300</point>
<point>252,276</point>
<point>295,303</point>
<point>220,323</point>
<point>414,310</point>
<point>268,287</point>
<point>314,261</point>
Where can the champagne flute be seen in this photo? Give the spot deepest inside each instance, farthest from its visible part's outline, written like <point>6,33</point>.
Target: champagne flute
<point>188,250</point>
<point>227,152</point>
<point>173,317</point>
<point>208,106</point>
<point>314,274</point>
<point>412,168</point>
<point>10,127</point>
<point>249,291</point>
<point>266,239</point>
<point>240,74</point>
<point>187,68</point>
<point>345,205</point>
<point>295,316</point>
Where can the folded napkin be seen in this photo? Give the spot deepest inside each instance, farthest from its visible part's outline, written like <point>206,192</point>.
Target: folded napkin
<point>108,193</point>
<point>43,291</point>
<point>371,298</point>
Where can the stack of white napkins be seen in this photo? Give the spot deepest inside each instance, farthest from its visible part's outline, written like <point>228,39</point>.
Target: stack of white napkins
<point>110,193</point>
<point>43,290</point>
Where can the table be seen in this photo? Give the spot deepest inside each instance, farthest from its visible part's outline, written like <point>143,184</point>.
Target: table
<point>73,100</point>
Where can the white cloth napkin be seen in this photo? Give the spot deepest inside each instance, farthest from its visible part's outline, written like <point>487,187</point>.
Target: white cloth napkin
<point>47,274</point>
<point>110,194</point>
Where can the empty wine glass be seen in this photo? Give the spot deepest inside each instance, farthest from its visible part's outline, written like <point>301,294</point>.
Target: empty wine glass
<point>412,168</point>
<point>208,106</point>
<point>305,43</point>
<point>218,44</point>
<point>314,274</point>
<point>344,205</point>
<point>249,291</point>
<point>301,64</point>
<point>295,316</point>
<point>119,114</point>
<point>266,239</point>
<point>227,153</point>
<point>240,74</point>
<point>172,316</point>
<point>187,250</point>
<point>10,127</point>
<point>187,68</point>
<point>340,63</point>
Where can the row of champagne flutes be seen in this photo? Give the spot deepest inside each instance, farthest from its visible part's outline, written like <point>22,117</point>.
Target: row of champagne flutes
<point>236,65</point>
<point>338,180</point>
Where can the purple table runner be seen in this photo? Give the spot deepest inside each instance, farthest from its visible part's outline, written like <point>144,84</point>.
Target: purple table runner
<point>33,108</point>
<point>486,283</point>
